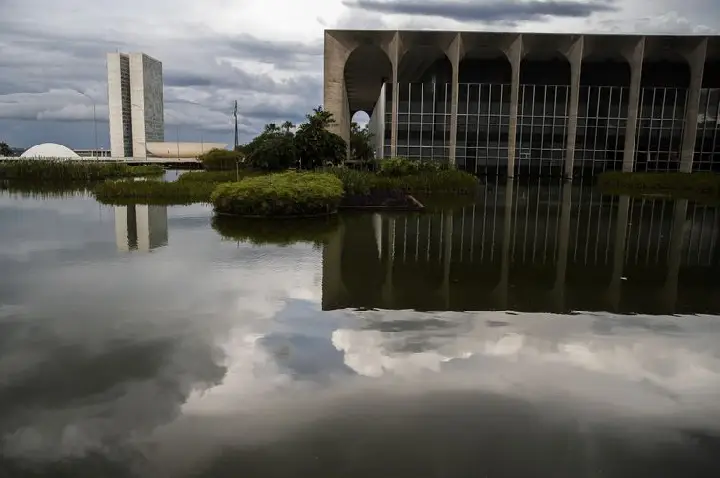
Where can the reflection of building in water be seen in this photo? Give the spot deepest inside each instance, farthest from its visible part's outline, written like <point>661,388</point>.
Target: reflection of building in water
<point>531,248</point>
<point>140,227</point>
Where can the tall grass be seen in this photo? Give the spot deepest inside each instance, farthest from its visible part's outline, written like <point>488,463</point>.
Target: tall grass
<point>153,192</point>
<point>217,176</point>
<point>68,171</point>
<point>441,181</point>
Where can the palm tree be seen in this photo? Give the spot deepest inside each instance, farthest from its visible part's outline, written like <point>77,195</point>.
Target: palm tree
<point>287,126</point>
<point>5,149</point>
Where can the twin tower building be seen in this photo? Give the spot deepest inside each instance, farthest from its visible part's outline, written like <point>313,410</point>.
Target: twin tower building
<point>135,103</point>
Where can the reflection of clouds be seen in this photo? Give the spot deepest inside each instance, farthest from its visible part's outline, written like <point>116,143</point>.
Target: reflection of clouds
<point>151,335</point>
<point>684,363</point>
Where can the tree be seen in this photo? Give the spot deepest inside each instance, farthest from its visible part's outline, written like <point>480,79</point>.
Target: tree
<point>5,149</point>
<point>315,145</point>
<point>287,126</point>
<point>361,148</point>
<point>273,149</point>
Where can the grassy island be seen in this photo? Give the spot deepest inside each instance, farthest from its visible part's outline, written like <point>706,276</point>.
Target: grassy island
<point>289,194</point>
<point>153,192</point>
<point>72,171</point>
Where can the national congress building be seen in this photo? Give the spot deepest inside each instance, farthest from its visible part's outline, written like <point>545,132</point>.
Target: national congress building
<point>526,103</point>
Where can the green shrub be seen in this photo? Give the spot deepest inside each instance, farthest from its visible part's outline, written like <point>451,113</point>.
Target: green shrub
<point>395,167</point>
<point>446,181</point>
<point>67,171</point>
<point>687,184</point>
<point>280,194</point>
<point>216,176</point>
<point>274,153</point>
<point>260,231</point>
<point>146,171</point>
<point>153,192</point>
<point>315,145</point>
<point>221,160</point>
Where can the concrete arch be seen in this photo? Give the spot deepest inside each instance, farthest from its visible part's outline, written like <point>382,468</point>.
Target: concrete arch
<point>417,52</point>
<point>366,69</point>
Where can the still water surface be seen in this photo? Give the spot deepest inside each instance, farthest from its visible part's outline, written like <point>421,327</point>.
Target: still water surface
<point>541,331</point>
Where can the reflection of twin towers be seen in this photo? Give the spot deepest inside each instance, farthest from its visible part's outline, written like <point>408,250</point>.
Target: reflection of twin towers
<point>531,248</point>
<point>140,227</point>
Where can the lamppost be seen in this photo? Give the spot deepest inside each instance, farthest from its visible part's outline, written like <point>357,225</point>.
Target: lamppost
<point>94,117</point>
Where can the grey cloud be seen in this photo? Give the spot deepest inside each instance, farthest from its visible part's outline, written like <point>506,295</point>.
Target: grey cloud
<point>268,77</point>
<point>492,10</point>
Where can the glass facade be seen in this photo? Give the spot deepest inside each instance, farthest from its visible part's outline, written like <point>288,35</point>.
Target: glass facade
<point>483,118</point>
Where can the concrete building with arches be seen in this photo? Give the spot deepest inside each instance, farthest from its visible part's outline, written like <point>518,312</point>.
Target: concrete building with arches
<point>529,103</point>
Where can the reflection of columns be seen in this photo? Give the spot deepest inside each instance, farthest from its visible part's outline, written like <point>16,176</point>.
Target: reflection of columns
<point>575,56</point>
<point>333,287</point>
<point>455,53</point>
<point>563,242</point>
<point>447,254</point>
<point>696,59</point>
<point>377,228</point>
<point>395,61</point>
<point>669,295</point>
<point>334,90</point>
<point>621,226</point>
<point>514,54</point>
<point>635,58</point>
<point>501,290</point>
<point>121,228</point>
<point>387,290</point>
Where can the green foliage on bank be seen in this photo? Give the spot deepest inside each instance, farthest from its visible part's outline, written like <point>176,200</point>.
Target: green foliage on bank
<point>674,184</point>
<point>280,194</point>
<point>221,160</point>
<point>441,181</point>
<point>46,190</point>
<point>68,171</point>
<point>217,176</point>
<point>394,167</point>
<point>153,192</point>
<point>274,232</point>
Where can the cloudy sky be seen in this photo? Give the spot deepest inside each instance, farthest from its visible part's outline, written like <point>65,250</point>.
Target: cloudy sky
<point>267,55</point>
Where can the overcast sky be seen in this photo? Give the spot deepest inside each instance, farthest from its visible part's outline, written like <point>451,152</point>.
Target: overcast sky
<point>265,54</point>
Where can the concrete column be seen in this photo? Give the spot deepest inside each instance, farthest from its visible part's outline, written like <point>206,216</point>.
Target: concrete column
<point>334,91</point>
<point>574,56</point>
<point>455,54</point>
<point>696,59</point>
<point>514,54</point>
<point>635,58</point>
<point>395,61</point>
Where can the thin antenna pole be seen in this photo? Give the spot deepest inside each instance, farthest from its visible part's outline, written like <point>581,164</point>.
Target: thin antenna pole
<point>236,125</point>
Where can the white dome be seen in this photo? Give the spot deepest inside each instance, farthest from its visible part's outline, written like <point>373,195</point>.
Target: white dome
<point>50,150</point>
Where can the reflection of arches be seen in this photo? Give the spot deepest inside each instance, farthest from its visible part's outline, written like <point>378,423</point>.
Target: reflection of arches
<point>366,69</point>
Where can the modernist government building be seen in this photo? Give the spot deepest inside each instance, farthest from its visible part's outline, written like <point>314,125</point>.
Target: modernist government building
<point>526,103</point>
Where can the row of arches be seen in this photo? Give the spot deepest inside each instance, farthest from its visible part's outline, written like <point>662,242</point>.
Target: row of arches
<point>368,67</point>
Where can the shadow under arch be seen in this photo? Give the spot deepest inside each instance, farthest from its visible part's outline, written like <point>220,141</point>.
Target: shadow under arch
<point>485,76</point>
<point>604,97</point>
<point>424,98</point>
<point>367,68</point>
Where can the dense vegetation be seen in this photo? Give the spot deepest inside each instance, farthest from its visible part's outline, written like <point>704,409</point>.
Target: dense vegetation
<point>153,192</point>
<point>265,231</point>
<point>280,194</point>
<point>217,176</point>
<point>66,171</point>
<point>221,160</point>
<point>674,184</point>
<point>440,181</point>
